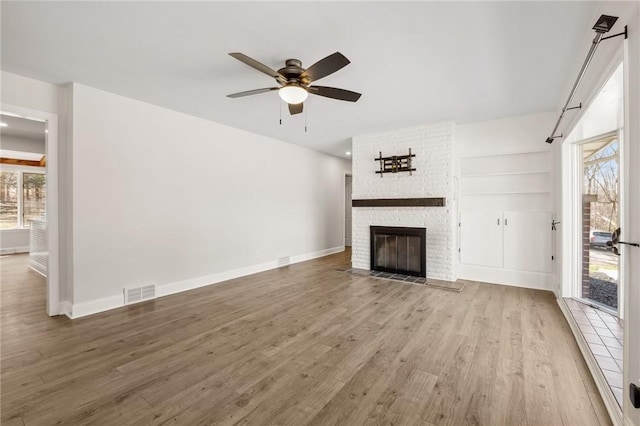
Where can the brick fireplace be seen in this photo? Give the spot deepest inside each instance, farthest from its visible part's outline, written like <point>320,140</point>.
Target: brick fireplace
<point>432,180</point>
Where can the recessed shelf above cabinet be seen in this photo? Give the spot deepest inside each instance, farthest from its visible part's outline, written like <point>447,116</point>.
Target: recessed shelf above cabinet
<point>501,184</point>
<point>504,193</point>
<point>537,172</point>
<point>530,162</point>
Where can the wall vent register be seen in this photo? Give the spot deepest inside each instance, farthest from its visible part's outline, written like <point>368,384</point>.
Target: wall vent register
<point>139,294</point>
<point>284,260</point>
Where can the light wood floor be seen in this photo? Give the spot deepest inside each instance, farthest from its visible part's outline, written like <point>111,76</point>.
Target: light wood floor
<point>298,345</point>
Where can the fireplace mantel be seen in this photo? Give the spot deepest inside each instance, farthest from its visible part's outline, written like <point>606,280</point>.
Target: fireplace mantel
<point>401,202</point>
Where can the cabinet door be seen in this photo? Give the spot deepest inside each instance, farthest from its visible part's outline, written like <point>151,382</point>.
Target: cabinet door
<point>481,238</point>
<point>527,241</point>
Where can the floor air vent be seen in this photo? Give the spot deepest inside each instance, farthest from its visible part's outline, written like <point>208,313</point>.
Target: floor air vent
<point>284,260</point>
<point>139,294</point>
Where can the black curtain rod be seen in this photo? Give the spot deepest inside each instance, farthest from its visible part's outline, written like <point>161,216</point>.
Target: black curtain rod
<point>602,26</point>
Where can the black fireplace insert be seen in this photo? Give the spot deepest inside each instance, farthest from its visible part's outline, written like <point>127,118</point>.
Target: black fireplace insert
<point>399,250</point>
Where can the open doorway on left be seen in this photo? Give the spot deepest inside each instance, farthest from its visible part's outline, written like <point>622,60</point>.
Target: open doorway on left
<point>23,213</point>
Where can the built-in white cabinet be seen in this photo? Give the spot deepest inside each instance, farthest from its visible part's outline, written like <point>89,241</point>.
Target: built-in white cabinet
<point>527,241</point>
<point>505,234</point>
<point>481,238</point>
<point>515,240</point>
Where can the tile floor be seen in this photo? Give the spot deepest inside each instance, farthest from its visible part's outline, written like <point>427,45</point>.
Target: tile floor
<point>378,274</point>
<point>603,333</point>
<point>445,285</point>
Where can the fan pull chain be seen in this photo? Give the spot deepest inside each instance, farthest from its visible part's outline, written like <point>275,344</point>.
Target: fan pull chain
<point>280,103</point>
<point>305,119</point>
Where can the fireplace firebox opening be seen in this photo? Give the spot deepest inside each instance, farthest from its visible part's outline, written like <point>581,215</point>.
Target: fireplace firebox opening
<point>399,250</point>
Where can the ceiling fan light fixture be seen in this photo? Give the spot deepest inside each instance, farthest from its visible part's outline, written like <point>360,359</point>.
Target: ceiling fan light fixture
<point>293,94</point>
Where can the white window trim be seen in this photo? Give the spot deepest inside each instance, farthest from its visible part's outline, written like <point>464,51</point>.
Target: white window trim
<point>21,170</point>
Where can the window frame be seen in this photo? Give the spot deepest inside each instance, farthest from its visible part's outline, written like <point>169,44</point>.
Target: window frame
<point>21,170</point>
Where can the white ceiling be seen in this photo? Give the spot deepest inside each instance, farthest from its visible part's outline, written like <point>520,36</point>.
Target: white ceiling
<point>414,62</point>
<point>22,128</point>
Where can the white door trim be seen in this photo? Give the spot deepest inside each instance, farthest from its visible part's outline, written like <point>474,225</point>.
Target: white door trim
<point>51,149</point>
<point>344,232</point>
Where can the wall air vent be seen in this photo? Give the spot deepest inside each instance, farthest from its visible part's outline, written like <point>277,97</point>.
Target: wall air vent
<point>139,294</point>
<point>282,261</point>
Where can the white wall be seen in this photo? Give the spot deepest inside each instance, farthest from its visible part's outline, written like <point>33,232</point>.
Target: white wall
<point>28,93</point>
<point>433,146</point>
<point>512,135</point>
<point>501,144</point>
<point>14,241</point>
<point>604,114</point>
<point>16,143</point>
<point>164,197</point>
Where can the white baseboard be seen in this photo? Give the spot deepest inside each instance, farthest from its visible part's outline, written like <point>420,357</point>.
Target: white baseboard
<point>316,254</point>
<point>193,283</point>
<point>14,250</point>
<point>64,308</point>
<point>95,306</point>
<point>111,302</point>
<point>615,413</point>
<point>37,268</point>
<point>526,279</point>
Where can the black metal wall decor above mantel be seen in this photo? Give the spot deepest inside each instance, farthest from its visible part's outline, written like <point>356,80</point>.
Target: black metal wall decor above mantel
<point>395,163</point>
<point>401,202</point>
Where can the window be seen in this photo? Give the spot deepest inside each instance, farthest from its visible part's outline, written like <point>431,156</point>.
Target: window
<point>19,207</point>
<point>8,200</point>
<point>34,192</point>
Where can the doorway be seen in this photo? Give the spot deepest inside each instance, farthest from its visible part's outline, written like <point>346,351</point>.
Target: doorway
<point>597,151</point>
<point>29,186</point>
<point>600,218</point>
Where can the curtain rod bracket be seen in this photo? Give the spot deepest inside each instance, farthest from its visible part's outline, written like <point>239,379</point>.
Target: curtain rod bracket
<point>624,33</point>
<point>551,138</point>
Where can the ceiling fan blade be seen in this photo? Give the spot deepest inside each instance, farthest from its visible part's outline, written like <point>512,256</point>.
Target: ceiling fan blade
<point>252,92</point>
<point>295,108</point>
<point>334,93</point>
<point>259,66</point>
<point>326,66</point>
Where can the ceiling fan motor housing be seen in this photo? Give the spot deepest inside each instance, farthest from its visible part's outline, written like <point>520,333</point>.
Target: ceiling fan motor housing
<point>292,70</point>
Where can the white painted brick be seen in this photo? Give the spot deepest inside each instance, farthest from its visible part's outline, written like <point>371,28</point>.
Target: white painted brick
<point>433,146</point>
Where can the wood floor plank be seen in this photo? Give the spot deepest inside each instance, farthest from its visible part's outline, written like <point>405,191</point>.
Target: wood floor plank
<point>299,345</point>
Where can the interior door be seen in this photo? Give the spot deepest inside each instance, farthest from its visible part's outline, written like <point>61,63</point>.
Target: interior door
<point>481,238</point>
<point>527,241</point>
<point>347,211</point>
